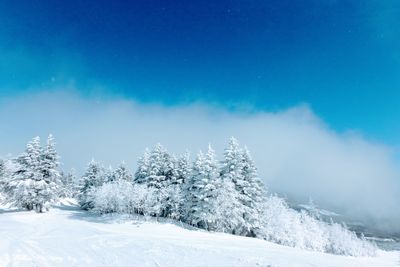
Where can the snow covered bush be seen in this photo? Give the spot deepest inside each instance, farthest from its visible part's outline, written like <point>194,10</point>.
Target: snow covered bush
<point>124,197</point>
<point>111,197</point>
<point>286,226</point>
<point>345,242</point>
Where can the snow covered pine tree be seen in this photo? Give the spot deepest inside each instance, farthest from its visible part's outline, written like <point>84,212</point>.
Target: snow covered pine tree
<point>34,183</point>
<point>201,191</point>
<point>93,178</point>
<point>238,167</point>
<point>157,170</point>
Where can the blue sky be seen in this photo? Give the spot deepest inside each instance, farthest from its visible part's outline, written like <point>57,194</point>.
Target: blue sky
<point>340,57</point>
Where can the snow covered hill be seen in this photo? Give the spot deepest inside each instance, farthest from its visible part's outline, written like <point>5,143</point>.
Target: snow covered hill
<point>67,236</point>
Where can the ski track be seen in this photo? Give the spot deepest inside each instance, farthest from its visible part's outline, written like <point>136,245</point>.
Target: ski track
<point>67,236</point>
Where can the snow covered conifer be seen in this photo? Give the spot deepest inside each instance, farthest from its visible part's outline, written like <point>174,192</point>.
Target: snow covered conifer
<point>238,167</point>
<point>2,174</point>
<point>161,167</point>
<point>232,171</point>
<point>228,212</point>
<point>201,191</point>
<point>2,168</point>
<point>107,175</point>
<point>183,168</point>
<point>175,188</point>
<point>34,182</point>
<point>51,178</point>
<point>122,173</point>
<point>21,187</point>
<point>252,194</point>
<point>157,170</point>
<point>143,169</point>
<point>93,177</point>
<point>69,184</point>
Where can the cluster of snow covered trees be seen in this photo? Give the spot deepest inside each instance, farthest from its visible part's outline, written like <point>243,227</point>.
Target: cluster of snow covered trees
<point>32,180</point>
<point>224,196</point>
<point>219,196</point>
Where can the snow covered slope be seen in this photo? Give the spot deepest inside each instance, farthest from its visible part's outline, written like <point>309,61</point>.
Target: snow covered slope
<point>67,236</point>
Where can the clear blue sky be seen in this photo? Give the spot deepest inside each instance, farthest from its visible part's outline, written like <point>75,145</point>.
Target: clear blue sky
<point>340,56</point>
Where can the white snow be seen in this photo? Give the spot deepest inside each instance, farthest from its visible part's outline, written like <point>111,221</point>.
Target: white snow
<point>67,236</point>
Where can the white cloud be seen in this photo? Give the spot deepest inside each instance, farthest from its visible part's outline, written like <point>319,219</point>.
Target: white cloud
<point>296,153</point>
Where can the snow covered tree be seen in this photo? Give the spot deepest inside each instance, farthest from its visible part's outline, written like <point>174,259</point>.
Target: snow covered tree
<point>50,180</point>
<point>107,175</point>
<point>143,169</point>
<point>228,210</point>
<point>7,168</point>
<point>232,171</point>
<point>175,188</point>
<point>22,185</point>
<point>238,167</point>
<point>202,191</point>
<point>157,170</point>
<point>121,173</point>
<point>2,174</point>
<point>70,186</point>
<point>93,177</point>
<point>252,194</point>
<point>2,167</point>
<point>34,183</point>
<point>183,168</point>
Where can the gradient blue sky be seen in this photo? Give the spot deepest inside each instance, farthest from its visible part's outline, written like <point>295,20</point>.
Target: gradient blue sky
<point>342,57</point>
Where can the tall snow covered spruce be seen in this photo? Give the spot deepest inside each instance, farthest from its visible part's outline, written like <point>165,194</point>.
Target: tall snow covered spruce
<point>35,182</point>
<point>201,191</point>
<point>238,168</point>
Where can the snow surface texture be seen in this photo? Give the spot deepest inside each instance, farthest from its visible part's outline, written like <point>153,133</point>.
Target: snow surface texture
<point>68,236</point>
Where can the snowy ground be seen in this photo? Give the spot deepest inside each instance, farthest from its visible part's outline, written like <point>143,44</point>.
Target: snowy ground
<point>67,236</point>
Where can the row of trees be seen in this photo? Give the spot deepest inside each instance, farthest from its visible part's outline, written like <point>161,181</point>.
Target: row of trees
<point>226,196</point>
<point>208,194</point>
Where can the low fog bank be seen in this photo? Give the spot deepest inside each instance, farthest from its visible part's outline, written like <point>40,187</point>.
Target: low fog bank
<point>297,155</point>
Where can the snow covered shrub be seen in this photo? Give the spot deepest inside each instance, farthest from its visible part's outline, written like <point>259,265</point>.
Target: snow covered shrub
<point>286,226</point>
<point>143,200</point>
<point>124,197</point>
<point>345,242</point>
<point>111,197</point>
